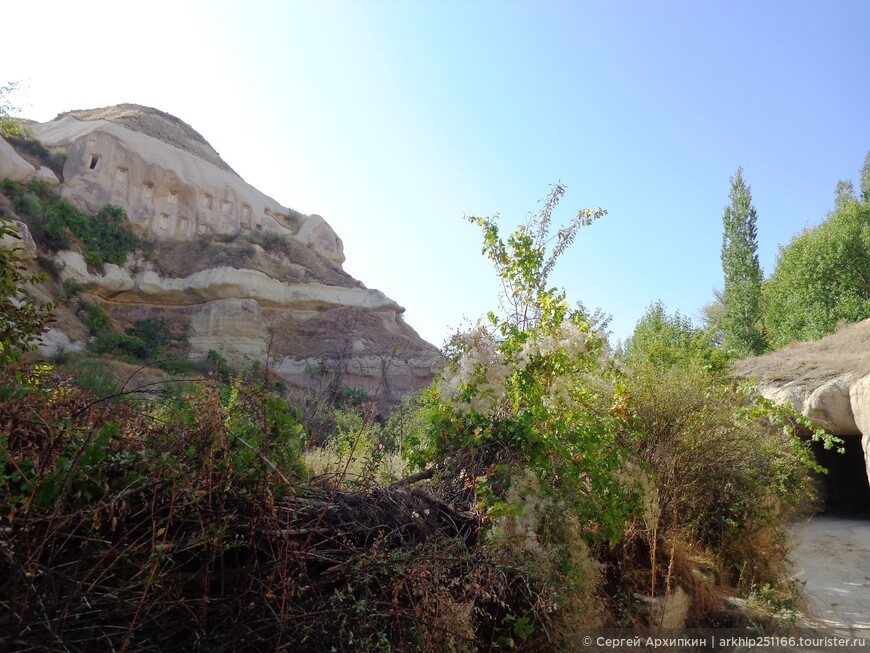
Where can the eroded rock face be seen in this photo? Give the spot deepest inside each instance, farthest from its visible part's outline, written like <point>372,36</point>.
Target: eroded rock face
<point>23,245</point>
<point>859,397</point>
<point>827,380</point>
<point>13,165</point>
<point>830,406</point>
<point>169,192</point>
<point>249,278</point>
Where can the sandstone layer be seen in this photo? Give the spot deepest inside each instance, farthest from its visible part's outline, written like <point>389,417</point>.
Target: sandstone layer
<point>249,278</point>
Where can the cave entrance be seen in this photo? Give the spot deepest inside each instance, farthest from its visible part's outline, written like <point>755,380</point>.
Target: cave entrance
<point>844,490</point>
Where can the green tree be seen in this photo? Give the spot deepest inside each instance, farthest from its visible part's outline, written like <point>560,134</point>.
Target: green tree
<point>741,296</point>
<point>528,388</point>
<point>665,341</point>
<point>822,276</point>
<point>22,319</point>
<point>9,126</point>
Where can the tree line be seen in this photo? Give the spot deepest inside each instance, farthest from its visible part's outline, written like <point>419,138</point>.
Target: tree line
<point>821,280</point>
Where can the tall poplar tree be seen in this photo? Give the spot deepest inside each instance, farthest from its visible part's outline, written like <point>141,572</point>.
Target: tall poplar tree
<point>741,297</point>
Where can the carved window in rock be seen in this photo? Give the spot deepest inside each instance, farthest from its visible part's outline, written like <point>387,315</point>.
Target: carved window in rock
<point>183,224</point>
<point>207,201</point>
<point>121,175</point>
<point>226,207</point>
<point>163,222</point>
<point>246,216</point>
<point>173,197</point>
<point>148,190</point>
<point>95,159</point>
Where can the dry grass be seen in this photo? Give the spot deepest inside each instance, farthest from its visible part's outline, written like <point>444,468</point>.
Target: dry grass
<point>330,460</point>
<point>847,350</point>
<point>157,124</point>
<point>286,260</point>
<point>169,533</point>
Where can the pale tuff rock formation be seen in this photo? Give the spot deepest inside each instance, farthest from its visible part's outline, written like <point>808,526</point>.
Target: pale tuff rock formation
<point>119,285</point>
<point>827,380</point>
<point>249,278</point>
<point>169,192</point>
<point>23,245</point>
<point>13,165</point>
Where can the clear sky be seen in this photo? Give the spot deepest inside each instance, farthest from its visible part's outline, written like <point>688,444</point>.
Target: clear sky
<point>394,119</point>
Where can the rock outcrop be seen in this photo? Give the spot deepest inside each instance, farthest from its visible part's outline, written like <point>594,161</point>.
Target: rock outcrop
<point>170,192</point>
<point>249,278</point>
<point>826,380</point>
<point>12,165</point>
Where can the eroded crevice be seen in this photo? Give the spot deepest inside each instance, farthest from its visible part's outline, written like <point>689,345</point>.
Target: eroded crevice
<point>844,490</point>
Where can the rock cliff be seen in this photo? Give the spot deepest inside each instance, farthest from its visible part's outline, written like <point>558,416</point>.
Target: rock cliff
<point>246,276</point>
<point>827,380</point>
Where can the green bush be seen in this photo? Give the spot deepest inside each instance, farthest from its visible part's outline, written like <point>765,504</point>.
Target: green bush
<point>22,319</point>
<point>94,258</point>
<point>720,472</point>
<point>106,236</point>
<point>216,363</point>
<point>96,318</point>
<point>668,340</point>
<point>71,288</point>
<point>156,335</point>
<point>722,465</point>
<point>147,341</point>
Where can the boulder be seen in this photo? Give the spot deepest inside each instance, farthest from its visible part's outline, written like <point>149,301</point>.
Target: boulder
<point>24,245</point>
<point>12,165</point>
<point>830,406</point>
<point>47,175</point>
<point>55,341</point>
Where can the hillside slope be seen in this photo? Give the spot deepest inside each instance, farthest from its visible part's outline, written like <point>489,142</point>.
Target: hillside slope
<point>244,276</point>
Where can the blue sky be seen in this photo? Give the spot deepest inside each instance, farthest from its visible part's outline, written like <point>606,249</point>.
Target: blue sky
<point>393,119</point>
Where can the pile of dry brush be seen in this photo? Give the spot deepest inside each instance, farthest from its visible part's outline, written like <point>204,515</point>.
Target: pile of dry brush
<point>178,527</point>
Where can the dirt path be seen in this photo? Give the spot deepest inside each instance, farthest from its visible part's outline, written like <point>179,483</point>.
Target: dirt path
<point>831,557</point>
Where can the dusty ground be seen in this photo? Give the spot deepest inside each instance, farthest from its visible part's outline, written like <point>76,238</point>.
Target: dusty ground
<point>831,557</point>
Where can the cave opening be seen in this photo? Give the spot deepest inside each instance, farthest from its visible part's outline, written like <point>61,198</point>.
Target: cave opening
<point>844,490</point>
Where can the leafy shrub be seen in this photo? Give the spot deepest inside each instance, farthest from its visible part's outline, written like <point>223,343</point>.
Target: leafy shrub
<point>722,464</point>
<point>94,258</point>
<point>216,363</point>
<point>531,383</point>
<point>520,426</point>
<point>147,341</point>
<point>156,335</point>
<point>10,127</point>
<point>106,236</point>
<point>71,288</point>
<point>96,318</point>
<point>355,451</point>
<point>22,319</point>
<point>665,340</point>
